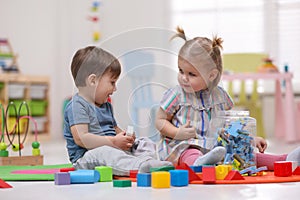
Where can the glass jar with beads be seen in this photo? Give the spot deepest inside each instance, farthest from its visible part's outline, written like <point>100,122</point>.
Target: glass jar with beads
<point>236,131</point>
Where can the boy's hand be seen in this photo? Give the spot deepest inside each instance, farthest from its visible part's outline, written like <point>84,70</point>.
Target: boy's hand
<point>261,144</point>
<point>185,132</point>
<point>122,141</point>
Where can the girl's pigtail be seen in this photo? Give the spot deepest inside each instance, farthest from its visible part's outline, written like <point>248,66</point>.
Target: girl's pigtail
<point>180,33</point>
<point>217,42</point>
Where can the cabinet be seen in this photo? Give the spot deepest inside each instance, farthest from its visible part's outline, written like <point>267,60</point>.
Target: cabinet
<point>32,89</point>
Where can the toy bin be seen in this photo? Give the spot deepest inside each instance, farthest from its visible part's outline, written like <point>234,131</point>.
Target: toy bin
<point>236,131</point>
<point>38,107</point>
<point>17,103</point>
<point>1,85</point>
<point>38,91</point>
<point>12,126</point>
<point>40,124</point>
<point>16,91</point>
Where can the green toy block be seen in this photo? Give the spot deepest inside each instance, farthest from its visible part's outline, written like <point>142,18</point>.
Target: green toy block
<point>161,169</point>
<point>122,183</point>
<point>106,173</point>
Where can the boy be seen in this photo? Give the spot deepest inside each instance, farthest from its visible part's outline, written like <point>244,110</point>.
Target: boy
<point>90,129</point>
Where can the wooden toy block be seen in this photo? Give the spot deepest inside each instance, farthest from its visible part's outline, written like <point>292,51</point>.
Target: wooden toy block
<point>62,178</point>
<point>208,174</point>
<point>160,169</point>
<point>179,177</point>
<point>283,168</point>
<point>3,184</point>
<point>106,173</point>
<point>144,180</point>
<point>160,179</point>
<point>22,160</point>
<point>84,176</point>
<point>122,183</point>
<point>297,171</point>
<point>192,175</point>
<point>133,173</point>
<point>234,175</point>
<point>222,171</point>
<point>196,169</point>
<point>67,169</point>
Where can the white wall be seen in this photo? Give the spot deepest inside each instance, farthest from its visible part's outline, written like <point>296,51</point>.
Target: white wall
<point>46,33</point>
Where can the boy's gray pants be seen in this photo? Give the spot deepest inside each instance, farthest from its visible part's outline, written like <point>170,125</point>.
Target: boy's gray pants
<point>121,161</point>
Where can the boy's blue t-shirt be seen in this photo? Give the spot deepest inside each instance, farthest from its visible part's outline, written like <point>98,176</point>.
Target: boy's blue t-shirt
<point>100,121</point>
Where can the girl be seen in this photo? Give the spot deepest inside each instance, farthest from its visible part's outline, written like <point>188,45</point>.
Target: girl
<point>186,110</point>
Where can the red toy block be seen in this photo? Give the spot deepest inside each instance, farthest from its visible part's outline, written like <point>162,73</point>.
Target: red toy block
<point>234,175</point>
<point>297,171</point>
<point>283,168</point>
<point>209,174</point>
<point>133,173</point>
<point>3,184</point>
<point>67,169</point>
<point>192,175</point>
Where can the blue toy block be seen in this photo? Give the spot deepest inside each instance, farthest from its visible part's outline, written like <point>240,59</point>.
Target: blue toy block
<point>179,177</point>
<point>144,180</point>
<point>62,178</point>
<point>196,169</point>
<point>84,176</point>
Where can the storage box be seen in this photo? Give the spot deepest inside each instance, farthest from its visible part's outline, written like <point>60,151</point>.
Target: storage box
<point>38,91</point>
<point>11,123</point>
<point>38,107</point>
<point>40,124</point>
<point>17,104</point>
<point>16,91</point>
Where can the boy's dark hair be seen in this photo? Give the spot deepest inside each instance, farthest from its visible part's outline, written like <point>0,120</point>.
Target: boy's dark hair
<point>93,60</point>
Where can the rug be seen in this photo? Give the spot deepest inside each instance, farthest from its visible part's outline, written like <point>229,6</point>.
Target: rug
<point>31,173</point>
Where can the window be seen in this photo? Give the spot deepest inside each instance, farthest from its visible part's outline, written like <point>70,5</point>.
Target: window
<point>270,26</point>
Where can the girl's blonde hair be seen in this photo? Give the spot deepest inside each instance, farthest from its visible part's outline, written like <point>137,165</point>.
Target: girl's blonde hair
<point>201,51</point>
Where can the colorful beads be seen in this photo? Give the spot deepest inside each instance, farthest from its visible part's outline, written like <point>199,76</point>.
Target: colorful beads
<point>35,151</point>
<point>35,145</point>
<point>17,147</point>
<point>3,146</point>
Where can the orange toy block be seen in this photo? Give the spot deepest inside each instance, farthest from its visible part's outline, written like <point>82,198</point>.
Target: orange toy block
<point>234,175</point>
<point>192,175</point>
<point>208,174</point>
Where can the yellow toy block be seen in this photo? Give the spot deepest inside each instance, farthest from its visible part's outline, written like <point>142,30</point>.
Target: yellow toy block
<point>236,164</point>
<point>160,179</point>
<point>222,171</point>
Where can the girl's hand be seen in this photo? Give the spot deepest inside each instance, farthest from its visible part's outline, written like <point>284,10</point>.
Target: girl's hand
<point>185,132</point>
<point>122,141</point>
<point>261,144</point>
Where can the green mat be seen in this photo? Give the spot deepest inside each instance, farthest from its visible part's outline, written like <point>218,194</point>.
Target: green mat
<point>7,173</point>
